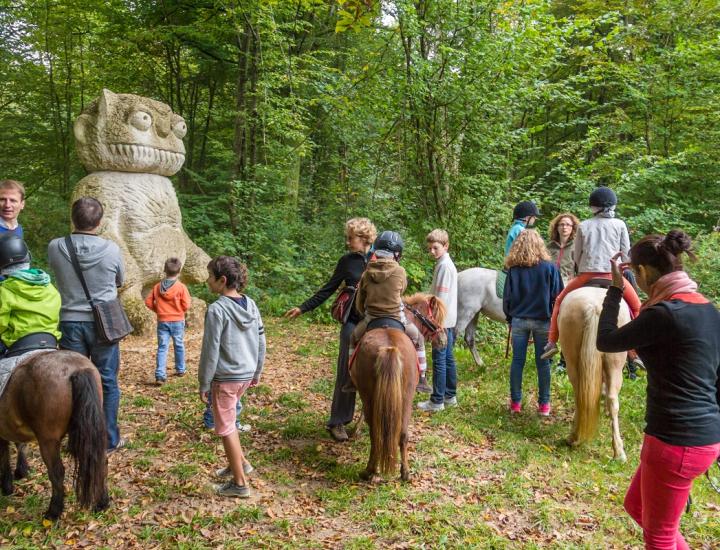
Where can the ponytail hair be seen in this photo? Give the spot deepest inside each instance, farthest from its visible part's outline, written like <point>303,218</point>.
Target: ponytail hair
<point>662,251</point>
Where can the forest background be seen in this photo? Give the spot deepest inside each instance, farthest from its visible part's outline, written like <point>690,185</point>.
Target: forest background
<point>417,114</point>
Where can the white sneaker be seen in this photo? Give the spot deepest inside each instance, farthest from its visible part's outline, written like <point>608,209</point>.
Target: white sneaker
<point>452,402</point>
<point>429,406</point>
<point>242,427</point>
<point>227,472</point>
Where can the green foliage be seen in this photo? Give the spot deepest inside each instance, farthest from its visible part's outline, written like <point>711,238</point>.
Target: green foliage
<point>422,114</point>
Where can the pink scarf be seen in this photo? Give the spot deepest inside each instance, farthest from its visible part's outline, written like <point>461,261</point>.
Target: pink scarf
<point>667,285</point>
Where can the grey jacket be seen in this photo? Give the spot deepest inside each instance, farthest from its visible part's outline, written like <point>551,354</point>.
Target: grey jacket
<point>102,267</point>
<point>597,240</point>
<point>445,286</point>
<point>233,347</point>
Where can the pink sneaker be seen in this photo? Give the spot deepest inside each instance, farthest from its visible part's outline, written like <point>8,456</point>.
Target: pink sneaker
<point>544,409</point>
<point>515,407</point>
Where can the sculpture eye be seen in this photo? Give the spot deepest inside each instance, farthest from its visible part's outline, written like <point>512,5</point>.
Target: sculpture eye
<point>141,120</point>
<point>180,128</point>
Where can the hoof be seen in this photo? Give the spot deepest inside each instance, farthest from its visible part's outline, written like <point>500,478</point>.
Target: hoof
<point>52,516</point>
<point>21,473</point>
<point>366,475</point>
<point>7,491</point>
<point>102,504</point>
<point>620,458</point>
<point>405,476</point>
<point>572,442</point>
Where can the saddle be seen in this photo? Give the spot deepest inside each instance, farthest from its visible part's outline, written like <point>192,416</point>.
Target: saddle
<point>598,283</point>
<point>385,322</point>
<point>31,342</point>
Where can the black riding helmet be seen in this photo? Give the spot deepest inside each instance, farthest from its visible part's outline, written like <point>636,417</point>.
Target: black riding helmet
<point>390,241</point>
<point>524,209</point>
<point>13,250</point>
<point>603,197</point>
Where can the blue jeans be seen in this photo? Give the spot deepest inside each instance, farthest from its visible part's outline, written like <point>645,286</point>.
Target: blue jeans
<point>80,336</point>
<point>521,331</point>
<point>165,331</point>
<point>208,419</point>
<point>444,371</point>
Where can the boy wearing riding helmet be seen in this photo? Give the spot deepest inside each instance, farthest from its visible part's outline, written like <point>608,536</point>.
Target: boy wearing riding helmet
<point>597,240</point>
<point>380,291</point>
<point>525,214</point>
<point>29,303</point>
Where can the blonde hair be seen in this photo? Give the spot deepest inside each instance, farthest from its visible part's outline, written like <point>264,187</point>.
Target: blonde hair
<point>553,232</point>
<point>361,227</point>
<point>14,185</point>
<point>527,250</point>
<point>438,236</point>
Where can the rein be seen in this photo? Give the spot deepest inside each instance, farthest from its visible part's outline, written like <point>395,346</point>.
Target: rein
<point>427,322</point>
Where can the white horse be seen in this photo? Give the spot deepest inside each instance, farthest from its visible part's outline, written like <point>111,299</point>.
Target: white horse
<point>476,295</point>
<point>590,371</point>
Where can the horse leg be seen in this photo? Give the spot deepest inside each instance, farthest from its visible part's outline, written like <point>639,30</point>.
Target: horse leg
<point>470,339</point>
<point>21,466</point>
<point>371,469</point>
<point>50,452</point>
<point>614,376</point>
<point>6,480</point>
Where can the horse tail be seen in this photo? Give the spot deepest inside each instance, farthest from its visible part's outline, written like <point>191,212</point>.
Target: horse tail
<point>589,378</point>
<point>387,408</point>
<point>87,439</point>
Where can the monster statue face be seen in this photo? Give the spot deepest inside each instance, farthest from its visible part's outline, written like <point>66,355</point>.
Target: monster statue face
<point>130,133</point>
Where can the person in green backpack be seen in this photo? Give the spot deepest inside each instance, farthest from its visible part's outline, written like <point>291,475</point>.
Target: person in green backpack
<point>29,303</point>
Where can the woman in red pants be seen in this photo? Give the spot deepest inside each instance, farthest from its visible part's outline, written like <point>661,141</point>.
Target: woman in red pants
<point>597,240</point>
<point>677,334</point>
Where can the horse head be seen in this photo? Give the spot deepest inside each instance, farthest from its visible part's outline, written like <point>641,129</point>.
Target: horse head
<point>428,313</point>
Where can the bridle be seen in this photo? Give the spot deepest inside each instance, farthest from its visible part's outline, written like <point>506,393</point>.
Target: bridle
<point>430,327</point>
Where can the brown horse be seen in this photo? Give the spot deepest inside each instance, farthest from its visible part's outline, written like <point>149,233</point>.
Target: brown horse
<point>48,395</point>
<point>385,373</point>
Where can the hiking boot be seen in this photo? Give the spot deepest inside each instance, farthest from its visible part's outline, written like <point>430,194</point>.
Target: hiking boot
<point>515,407</point>
<point>338,432</point>
<point>160,381</point>
<point>227,472</point>
<point>423,386</point>
<point>450,401</point>
<point>544,409</point>
<point>429,406</point>
<point>232,489</point>
<point>631,370</point>
<point>550,350</point>
<point>180,374</point>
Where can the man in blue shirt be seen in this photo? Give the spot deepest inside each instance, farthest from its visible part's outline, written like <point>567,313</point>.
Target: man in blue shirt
<point>12,201</point>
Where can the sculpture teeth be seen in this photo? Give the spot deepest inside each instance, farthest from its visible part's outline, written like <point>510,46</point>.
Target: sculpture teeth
<point>129,154</point>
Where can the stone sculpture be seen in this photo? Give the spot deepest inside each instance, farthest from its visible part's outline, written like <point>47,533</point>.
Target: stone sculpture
<point>130,145</point>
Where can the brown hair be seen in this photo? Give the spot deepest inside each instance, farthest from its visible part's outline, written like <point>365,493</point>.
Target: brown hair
<point>86,214</point>
<point>438,236</point>
<point>234,271</point>
<point>662,251</point>
<point>13,184</point>
<point>361,227</point>
<point>527,250</point>
<point>553,231</point>
<point>172,266</point>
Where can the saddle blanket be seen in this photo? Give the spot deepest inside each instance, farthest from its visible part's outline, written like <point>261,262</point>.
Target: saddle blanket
<point>500,283</point>
<point>7,366</point>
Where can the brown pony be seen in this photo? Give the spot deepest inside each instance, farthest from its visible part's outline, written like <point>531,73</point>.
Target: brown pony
<point>48,395</point>
<point>385,374</point>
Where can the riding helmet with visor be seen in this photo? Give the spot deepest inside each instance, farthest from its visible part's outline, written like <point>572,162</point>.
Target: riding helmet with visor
<point>524,209</point>
<point>389,241</point>
<point>13,250</point>
<point>603,197</point>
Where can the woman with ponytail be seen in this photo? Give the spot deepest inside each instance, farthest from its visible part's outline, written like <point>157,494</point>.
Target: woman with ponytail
<point>677,335</point>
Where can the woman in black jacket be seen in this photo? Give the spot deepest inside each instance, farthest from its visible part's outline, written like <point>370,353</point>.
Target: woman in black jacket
<point>360,233</point>
<point>677,335</point>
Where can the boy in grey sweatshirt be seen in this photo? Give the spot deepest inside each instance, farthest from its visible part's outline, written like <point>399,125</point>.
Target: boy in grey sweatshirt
<point>231,361</point>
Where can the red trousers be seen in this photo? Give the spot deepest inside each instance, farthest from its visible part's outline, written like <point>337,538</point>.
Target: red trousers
<point>629,295</point>
<point>659,490</point>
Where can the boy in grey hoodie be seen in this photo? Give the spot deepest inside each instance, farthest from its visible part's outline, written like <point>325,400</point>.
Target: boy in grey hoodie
<point>231,361</point>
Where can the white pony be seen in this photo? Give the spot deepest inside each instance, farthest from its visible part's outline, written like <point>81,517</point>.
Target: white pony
<point>476,295</point>
<point>590,371</point>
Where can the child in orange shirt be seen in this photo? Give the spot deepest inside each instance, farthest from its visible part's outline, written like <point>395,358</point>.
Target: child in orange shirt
<point>170,300</point>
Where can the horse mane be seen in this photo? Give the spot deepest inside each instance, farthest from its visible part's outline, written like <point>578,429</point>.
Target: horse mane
<point>439,309</point>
